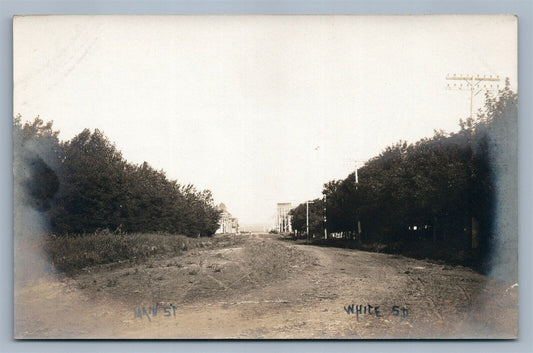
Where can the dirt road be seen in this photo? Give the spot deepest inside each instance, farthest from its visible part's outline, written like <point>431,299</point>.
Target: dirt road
<point>261,286</point>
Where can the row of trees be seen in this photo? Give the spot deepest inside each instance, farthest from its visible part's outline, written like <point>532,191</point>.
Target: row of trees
<point>442,189</point>
<point>85,185</point>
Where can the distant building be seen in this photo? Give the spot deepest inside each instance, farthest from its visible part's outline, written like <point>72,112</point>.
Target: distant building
<point>284,218</point>
<point>228,223</point>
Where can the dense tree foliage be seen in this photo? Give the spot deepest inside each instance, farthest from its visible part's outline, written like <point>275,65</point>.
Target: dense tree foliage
<point>439,190</point>
<point>85,185</point>
<point>299,217</point>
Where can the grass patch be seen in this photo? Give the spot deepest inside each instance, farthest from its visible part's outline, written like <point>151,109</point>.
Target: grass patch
<point>71,254</point>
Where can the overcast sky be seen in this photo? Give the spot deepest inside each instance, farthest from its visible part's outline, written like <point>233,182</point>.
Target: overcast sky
<point>258,109</point>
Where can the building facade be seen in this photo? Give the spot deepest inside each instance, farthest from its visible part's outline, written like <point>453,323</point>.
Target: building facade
<point>284,218</point>
<point>228,223</point>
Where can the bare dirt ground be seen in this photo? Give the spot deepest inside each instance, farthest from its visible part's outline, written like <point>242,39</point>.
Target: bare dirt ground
<point>258,286</point>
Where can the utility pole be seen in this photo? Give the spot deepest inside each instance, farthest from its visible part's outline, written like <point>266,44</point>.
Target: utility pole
<point>307,218</point>
<point>356,185</point>
<point>356,179</point>
<point>325,220</point>
<point>356,164</point>
<point>474,85</point>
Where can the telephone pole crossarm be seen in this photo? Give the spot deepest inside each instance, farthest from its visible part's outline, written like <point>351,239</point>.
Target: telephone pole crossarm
<point>472,83</point>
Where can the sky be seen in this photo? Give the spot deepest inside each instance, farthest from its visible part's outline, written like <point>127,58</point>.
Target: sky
<point>257,109</point>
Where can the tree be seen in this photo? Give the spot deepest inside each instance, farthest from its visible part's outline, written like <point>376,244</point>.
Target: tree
<point>316,217</point>
<point>93,188</point>
<point>85,185</point>
<point>432,189</point>
<point>497,137</point>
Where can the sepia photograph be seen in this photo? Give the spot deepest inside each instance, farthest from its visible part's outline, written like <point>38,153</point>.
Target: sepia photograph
<point>265,177</point>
